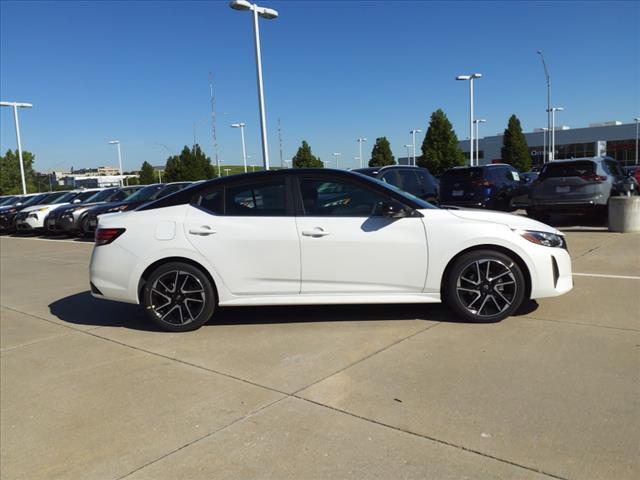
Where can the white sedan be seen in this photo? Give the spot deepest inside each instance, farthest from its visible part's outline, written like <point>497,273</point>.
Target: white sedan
<point>317,236</point>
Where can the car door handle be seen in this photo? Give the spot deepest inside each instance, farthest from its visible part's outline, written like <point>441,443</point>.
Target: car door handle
<point>316,232</point>
<point>204,230</point>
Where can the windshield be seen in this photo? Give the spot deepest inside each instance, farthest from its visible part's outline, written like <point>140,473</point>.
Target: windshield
<point>146,193</point>
<point>61,198</point>
<point>7,201</point>
<point>83,196</point>
<point>100,196</point>
<point>419,201</point>
<point>35,200</point>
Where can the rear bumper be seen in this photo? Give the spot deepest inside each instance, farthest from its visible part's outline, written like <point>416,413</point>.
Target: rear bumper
<point>568,207</point>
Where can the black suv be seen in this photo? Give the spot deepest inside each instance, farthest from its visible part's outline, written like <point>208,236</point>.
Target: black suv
<point>417,181</point>
<point>487,186</point>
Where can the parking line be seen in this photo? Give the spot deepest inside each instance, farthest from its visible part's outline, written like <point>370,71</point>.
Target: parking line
<point>600,275</point>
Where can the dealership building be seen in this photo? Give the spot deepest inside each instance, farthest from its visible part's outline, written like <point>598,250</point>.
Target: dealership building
<point>614,139</point>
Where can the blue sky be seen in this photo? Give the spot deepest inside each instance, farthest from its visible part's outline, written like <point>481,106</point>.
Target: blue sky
<point>333,71</point>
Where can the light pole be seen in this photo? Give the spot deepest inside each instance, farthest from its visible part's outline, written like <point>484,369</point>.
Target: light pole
<point>471,78</point>
<point>552,150</point>
<point>244,150</point>
<point>226,171</point>
<point>268,14</point>
<point>15,106</point>
<point>337,156</point>
<point>117,143</point>
<point>478,121</point>
<point>360,140</point>
<point>544,143</point>
<point>413,134</point>
<point>546,74</point>
<point>637,120</point>
<point>408,147</point>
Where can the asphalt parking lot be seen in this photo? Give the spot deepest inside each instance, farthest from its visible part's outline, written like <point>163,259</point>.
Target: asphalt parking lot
<point>89,390</point>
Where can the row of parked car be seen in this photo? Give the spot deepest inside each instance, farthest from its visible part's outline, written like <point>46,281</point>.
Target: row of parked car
<point>581,185</point>
<point>569,186</point>
<point>75,212</point>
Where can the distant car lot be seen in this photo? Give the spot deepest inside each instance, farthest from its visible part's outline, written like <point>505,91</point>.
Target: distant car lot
<point>88,391</point>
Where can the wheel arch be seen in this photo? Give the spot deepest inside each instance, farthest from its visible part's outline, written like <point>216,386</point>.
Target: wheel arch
<point>147,272</point>
<point>498,248</point>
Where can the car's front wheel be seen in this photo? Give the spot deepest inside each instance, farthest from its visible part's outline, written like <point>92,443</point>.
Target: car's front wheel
<point>178,297</point>
<point>484,286</point>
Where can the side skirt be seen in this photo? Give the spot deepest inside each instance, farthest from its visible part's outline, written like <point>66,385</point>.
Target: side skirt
<point>321,299</point>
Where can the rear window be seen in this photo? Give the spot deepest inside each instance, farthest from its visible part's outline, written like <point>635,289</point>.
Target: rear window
<point>568,169</point>
<point>462,175</point>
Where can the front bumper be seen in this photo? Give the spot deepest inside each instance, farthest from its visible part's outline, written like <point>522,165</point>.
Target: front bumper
<point>553,276</point>
<point>7,222</point>
<point>30,223</point>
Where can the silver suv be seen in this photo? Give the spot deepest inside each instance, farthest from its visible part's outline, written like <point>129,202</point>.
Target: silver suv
<point>579,185</point>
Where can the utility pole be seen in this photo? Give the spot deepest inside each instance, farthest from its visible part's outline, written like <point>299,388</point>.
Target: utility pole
<point>280,140</point>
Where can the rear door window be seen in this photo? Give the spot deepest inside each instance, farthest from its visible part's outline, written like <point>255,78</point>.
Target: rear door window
<point>257,199</point>
<point>391,177</point>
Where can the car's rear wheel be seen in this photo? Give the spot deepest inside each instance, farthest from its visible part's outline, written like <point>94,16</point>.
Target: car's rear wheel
<point>178,297</point>
<point>484,286</point>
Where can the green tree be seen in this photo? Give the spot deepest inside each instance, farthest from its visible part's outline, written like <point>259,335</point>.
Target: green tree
<point>381,154</point>
<point>515,150</point>
<point>192,164</point>
<point>304,158</point>
<point>147,174</point>
<point>440,150</point>
<point>10,178</point>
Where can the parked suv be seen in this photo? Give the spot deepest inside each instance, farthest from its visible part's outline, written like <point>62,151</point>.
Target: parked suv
<point>417,181</point>
<point>581,185</point>
<point>488,186</point>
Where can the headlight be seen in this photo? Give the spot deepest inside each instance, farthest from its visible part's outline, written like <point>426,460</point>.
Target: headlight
<point>121,208</point>
<point>44,209</point>
<point>543,238</point>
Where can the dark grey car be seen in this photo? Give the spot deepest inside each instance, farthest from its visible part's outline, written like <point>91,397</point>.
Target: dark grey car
<point>581,185</point>
<point>417,181</point>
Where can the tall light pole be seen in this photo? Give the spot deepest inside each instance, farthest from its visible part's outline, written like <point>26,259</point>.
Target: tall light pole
<point>546,74</point>
<point>117,143</point>
<point>408,147</point>
<point>241,125</point>
<point>552,150</point>
<point>471,78</point>
<point>637,120</point>
<point>360,140</point>
<point>16,106</point>
<point>545,132</point>
<point>413,135</point>
<point>268,14</point>
<point>477,122</point>
<point>337,155</point>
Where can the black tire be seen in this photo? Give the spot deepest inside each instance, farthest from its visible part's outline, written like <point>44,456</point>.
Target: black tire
<point>189,292</point>
<point>490,299</point>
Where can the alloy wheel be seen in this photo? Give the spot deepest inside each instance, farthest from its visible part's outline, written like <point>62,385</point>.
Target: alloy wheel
<point>486,287</point>
<point>177,297</point>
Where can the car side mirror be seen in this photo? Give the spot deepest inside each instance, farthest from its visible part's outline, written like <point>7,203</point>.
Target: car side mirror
<point>77,200</point>
<point>394,210</point>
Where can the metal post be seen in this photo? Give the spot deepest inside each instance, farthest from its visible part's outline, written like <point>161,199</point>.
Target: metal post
<point>120,164</point>
<point>15,118</point>
<point>159,176</point>
<point>544,144</point>
<point>471,121</point>
<point>477,159</point>
<point>637,120</point>
<point>244,150</point>
<point>263,125</point>
<point>552,152</point>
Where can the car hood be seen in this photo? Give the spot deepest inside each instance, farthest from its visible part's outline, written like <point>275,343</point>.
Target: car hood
<point>508,219</point>
<point>50,206</point>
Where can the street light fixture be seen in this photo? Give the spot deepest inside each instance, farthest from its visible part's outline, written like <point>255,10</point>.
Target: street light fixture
<point>117,143</point>
<point>16,106</point>
<point>413,134</point>
<point>241,126</point>
<point>269,14</point>
<point>546,74</point>
<point>471,77</point>
<point>337,155</point>
<point>552,149</point>
<point>477,122</point>
<point>360,140</point>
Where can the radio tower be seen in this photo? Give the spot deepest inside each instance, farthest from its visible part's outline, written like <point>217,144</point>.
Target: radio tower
<point>213,124</point>
<point>280,139</point>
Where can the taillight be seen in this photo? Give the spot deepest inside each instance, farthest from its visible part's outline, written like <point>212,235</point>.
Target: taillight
<point>592,177</point>
<point>104,236</point>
